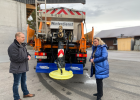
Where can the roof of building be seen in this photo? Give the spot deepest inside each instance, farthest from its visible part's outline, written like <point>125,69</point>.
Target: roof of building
<point>126,32</point>
<point>53,1</point>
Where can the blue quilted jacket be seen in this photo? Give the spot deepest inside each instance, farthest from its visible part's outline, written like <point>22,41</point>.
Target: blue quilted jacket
<point>101,62</point>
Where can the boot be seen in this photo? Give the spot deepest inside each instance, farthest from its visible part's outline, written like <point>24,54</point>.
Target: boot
<point>95,94</point>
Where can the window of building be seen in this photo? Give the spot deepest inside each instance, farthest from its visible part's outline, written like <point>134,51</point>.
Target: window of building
<point>115,42</point>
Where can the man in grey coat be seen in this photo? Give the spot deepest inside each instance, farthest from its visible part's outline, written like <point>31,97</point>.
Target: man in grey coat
<point>19,65</point>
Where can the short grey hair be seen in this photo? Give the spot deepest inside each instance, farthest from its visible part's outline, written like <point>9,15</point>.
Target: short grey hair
<point>18,34</point>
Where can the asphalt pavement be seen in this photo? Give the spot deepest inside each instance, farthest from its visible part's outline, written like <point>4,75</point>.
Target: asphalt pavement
<point>123,83</point>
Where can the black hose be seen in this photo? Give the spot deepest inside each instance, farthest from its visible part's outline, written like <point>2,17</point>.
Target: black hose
<point>51,47</point>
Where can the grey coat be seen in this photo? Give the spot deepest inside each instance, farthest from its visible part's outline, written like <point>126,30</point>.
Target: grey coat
<point>19,57</point>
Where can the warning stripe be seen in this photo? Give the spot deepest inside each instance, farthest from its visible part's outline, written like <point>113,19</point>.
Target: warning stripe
<point>46,11</point>
<point>84,13</point>
<point>67,11</point>
<point>78,13</point>
<point>60,52</point>
<point>64,11</point>
<point>54,11</point>
<point>71,12</point>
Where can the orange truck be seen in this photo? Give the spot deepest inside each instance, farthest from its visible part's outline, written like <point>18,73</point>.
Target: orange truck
<point>59,40</point>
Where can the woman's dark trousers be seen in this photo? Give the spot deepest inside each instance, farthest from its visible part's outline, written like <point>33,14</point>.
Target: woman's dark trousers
<point>99,83</point>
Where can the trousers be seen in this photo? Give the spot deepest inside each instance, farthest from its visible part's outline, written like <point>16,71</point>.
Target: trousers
<point>20,77</point>
<point>99,83</point>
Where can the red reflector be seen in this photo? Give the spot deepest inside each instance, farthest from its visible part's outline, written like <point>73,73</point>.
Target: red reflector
<point>40,59</point>
<point>40,53</point>
<point>81,61</point>
<point>36,53</point>
<point>84,55</point>
<point>81,55</point>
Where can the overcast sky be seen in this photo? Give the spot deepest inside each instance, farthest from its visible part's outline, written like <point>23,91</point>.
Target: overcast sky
<point>107,14</point>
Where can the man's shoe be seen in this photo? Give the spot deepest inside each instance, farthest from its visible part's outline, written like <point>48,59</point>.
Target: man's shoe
<point>29,95</point>
<point>95,94</point>
<point>99,98</point>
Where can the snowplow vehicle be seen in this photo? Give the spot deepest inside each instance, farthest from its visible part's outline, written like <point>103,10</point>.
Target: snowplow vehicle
<point>59,42</point>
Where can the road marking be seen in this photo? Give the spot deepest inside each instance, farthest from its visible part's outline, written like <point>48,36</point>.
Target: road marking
<point>88,75</point>
<point>91,81</point>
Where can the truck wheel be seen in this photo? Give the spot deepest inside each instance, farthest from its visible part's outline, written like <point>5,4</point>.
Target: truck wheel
<point>84,65</point>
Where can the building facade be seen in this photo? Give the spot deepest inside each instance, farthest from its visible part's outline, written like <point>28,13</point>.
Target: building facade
<point>120,39</point>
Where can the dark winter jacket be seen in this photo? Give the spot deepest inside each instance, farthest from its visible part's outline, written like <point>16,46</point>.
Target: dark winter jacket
<point>100,61</point>
<point>19,57</point>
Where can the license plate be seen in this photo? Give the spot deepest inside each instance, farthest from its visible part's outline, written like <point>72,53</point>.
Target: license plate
<point>41,57</point>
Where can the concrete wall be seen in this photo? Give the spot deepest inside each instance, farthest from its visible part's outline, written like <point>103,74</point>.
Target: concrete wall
<point>12,19</point>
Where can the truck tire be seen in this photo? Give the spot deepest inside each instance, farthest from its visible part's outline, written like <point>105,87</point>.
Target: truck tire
<point>83,65</point>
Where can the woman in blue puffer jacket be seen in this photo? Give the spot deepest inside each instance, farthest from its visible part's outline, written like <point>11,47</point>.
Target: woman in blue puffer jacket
<point>99,64</point>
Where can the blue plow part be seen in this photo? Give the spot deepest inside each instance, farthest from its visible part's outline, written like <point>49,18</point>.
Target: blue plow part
<point>49,67</point>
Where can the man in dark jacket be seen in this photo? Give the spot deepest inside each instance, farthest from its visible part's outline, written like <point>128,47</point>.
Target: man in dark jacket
<point>19,65</point>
